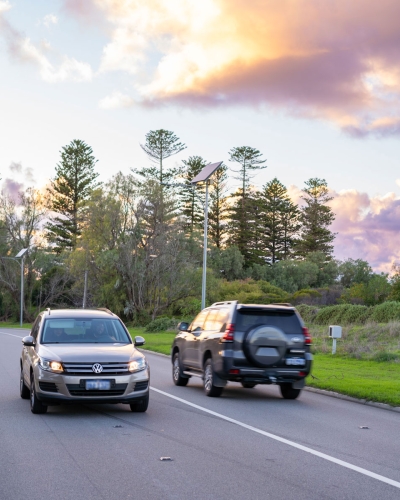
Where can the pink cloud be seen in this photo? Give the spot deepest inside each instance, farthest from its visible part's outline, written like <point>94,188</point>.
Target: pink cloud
<point>13,190</point>
<point>368,228</point>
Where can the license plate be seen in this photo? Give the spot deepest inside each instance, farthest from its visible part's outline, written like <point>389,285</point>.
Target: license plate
<point>99,385</point>
<point>296,361</point>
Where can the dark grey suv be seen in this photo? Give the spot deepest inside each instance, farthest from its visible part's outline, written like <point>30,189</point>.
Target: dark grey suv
<point>250,344</point>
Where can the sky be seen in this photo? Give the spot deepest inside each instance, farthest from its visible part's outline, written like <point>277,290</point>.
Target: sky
<point>313,84</point>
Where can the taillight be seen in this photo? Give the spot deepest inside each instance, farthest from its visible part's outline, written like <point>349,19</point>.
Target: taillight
<point>307,336</point>
<point>229,332</point>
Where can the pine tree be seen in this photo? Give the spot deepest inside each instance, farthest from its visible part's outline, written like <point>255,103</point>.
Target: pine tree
<point>160,145</point>
<point>250,160</point>
<point>279,220</point>
<point>218,206</point>
<point>69,193</point>
<point>192,206</point>
<point>316,217</point>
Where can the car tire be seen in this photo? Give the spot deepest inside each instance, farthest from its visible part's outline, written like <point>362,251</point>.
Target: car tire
<point>23,389</point>
<point>208,381</point>
<point>177,372</point>
<point>37,407</point>
<point>288,392</point>
<point>141,406</point>
<point>248,385</point>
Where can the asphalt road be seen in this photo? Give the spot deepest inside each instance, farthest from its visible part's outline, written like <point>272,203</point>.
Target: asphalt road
<point>247,444</point>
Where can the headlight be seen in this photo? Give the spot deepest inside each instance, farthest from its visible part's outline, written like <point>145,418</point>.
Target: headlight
<point>50,366</point>
<point>137,365</point>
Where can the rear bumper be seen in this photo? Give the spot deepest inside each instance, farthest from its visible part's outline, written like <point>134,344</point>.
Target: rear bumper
<point>261,375</point>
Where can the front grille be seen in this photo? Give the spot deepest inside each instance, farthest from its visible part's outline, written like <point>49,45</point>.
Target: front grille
<point>86,369</point>
<point>78,390</point>
<point>141,386</point>
<point>48,386</point>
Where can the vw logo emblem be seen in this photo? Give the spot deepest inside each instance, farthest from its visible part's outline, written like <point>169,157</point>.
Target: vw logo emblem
<point>97,368</point>
<point>295,339</point>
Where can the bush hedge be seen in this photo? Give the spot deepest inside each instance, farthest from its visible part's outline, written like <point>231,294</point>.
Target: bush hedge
<point>349,314</point>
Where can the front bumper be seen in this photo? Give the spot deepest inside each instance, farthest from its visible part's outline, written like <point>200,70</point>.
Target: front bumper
<point>54,388</point>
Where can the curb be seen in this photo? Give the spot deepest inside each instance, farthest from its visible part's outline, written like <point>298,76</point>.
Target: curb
<point>323,392</point>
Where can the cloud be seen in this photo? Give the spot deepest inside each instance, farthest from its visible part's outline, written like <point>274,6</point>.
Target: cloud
<point>368,228</point>
<point>50,19</point>
<point>324,60</point>
<point>23,50</point>
<point>116,100</point>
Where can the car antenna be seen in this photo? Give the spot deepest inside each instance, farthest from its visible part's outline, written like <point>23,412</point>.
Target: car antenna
<point>48,310</point>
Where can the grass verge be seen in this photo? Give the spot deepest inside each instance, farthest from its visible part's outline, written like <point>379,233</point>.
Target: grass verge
<point>9,324</point>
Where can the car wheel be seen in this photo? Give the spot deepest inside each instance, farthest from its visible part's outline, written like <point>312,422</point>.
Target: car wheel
<point>141,406</point>
<point>248,385</point>
<point>177,374</point>
<point>37,406</point>
<point>23,390</point>
<point>209,388</point>
<point>288,392</point>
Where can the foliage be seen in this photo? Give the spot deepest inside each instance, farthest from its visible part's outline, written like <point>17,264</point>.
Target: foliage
<point>388,311</point>
<point>159,145</point>
<point>252,292</point>
<point>227,263</point>
<point>279,221</point>
<point>68,195</point>
<point>375,291</point>
<point>192,209</point>
<point>161,325</point>
<point>316,217</point>
<point>354,271</point>
<point>218,207</point>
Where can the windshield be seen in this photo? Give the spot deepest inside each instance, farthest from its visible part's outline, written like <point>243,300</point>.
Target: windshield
<point>84,330</point>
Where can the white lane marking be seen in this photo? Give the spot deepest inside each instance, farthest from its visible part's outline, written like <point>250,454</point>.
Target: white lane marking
<point>11,335</point>
<point>366,472</point>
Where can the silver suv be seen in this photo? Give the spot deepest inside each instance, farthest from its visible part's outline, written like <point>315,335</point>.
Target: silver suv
<point>247,343</point>
<point>85,356</point>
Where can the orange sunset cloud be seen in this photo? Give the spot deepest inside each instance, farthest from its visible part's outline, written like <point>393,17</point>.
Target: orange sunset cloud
<point>332,60</point>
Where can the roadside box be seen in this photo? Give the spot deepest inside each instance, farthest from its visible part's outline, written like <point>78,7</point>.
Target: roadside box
<point>335,332</point>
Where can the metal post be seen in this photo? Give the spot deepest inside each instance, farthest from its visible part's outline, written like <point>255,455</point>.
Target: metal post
<point>203,286</point>
<point>22,291</point>
<point>334,346</point>
<point>85,290</point>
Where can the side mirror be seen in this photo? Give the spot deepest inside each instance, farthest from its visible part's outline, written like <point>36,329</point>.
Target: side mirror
<point>139,341</point>
<point>28,341</point>
<point>183,326</point>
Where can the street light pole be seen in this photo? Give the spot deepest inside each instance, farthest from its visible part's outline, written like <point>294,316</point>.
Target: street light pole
<point>205,244</point>
<point>204,176</point>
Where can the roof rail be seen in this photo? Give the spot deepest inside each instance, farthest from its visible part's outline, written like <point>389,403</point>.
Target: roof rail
<point>105,310</point>
<point>48,310</point>
<point>225,303</point>
<point>287,304</point>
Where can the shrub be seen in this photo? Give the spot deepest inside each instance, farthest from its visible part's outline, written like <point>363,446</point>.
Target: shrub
<point>388,311</point>
<point>161,325</point>
<point>308,313</point>
<point>384,356</point>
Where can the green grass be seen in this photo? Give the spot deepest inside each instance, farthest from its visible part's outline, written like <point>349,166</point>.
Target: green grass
<point>157,342</point>
<point>13,324</point>
<point>370,380</point>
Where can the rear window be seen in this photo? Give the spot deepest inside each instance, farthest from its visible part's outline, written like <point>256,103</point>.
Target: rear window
<point>286,321</point>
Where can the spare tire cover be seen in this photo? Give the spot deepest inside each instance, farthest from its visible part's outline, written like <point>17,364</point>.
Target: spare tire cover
<point>264,345</point>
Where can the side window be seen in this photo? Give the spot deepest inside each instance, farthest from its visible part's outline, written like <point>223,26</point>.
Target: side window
<point>222,319</point>
<point>36,326</point>
<point>211,323</point>
<point>198,322</point>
